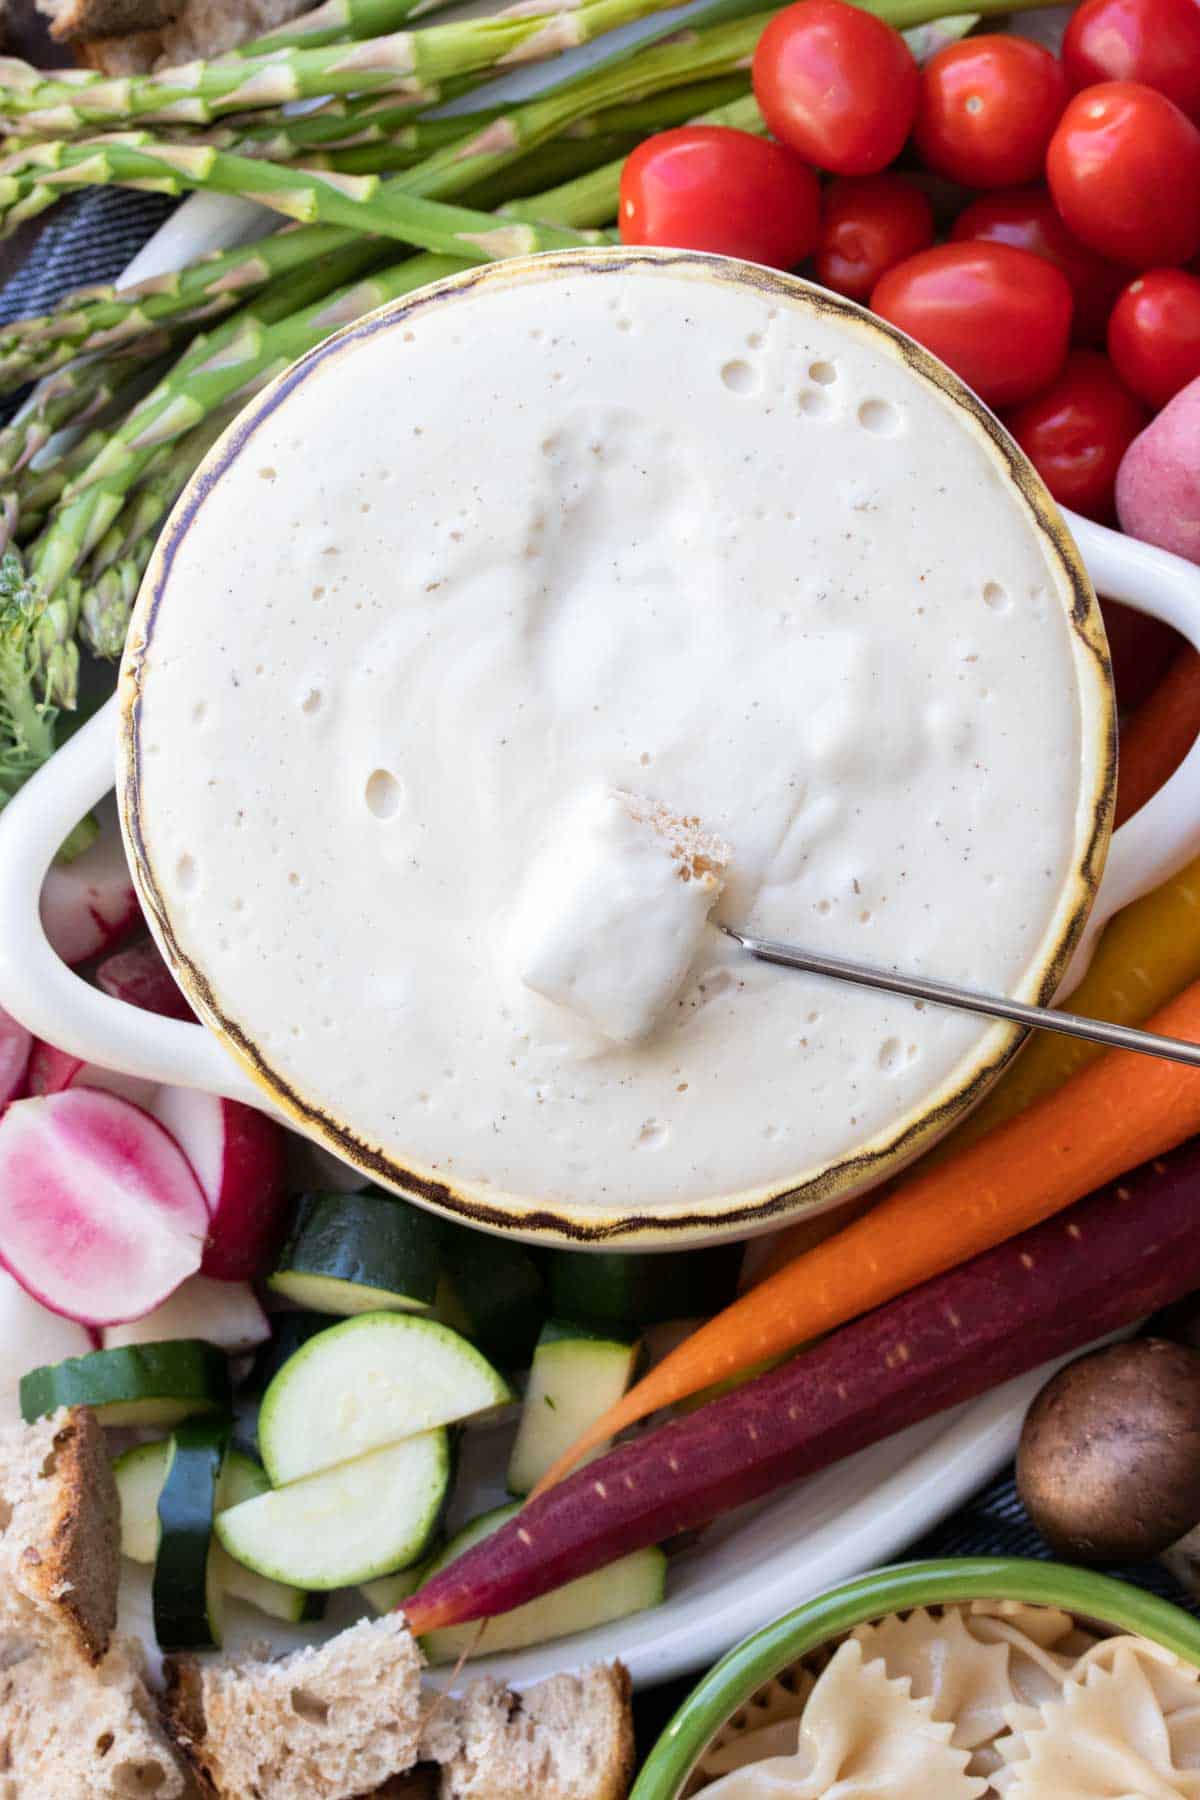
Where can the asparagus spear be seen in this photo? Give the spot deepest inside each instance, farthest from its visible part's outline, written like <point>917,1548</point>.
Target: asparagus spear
<point>72,396</point>
<point>362,203</point>
<point>200,92</point>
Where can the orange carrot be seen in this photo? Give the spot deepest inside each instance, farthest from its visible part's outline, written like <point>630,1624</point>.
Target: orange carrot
<point>1157,737</point>
<point>1116,1113</point>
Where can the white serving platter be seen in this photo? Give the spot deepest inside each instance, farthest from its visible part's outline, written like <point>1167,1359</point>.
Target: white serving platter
<point>750,1569</point>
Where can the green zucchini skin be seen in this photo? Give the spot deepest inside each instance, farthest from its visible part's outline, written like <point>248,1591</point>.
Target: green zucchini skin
<point>365,1252</point>
<point>136,1384</point>
<point>493,1293</point>
<point>184,1597</point>
<point>290,1331</point>
<point>610,1289</point>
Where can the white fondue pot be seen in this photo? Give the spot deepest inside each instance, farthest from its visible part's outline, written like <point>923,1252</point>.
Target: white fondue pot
<point>229,1053</point>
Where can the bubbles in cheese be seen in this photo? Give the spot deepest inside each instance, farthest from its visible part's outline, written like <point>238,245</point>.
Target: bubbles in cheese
<point>615,909</point>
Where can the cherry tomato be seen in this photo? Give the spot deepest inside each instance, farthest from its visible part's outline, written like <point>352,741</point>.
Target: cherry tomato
<point>1156,42</point>
<point>837,84</point>
<point>707,187</point>
<point>1076,433</point>
<point>1001,318</point>
<point>1028,218</point>
<point>1154,334</point>
<point>987,109</point>
<point>869,223</point>
<point>1124,170</point>
<point>1142,650</point>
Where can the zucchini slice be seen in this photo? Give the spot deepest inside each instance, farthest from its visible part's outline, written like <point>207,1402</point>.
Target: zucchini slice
<point>244,1479</point>
<point>349,1524</point>
<point>139,1474</point>
<point>138,1384</point>
<point>640,1289</point>
<point>357,1253</point>
<point>629,1585</point>
<point>368,1382</point>
<point>492,1292</point>
<point>188,1604</point>
<point>290,1331</point>
<point>577,1374</point>
<point>386,1594</point>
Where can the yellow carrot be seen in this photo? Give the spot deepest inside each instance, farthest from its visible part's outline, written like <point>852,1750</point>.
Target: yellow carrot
<point>1145,956</point>
<point>1118,1112</point>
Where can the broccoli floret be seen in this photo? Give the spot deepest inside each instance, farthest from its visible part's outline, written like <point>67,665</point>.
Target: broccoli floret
<point>39,667</point>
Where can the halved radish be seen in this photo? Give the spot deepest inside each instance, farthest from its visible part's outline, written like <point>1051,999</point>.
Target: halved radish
<point>238,1155</point>
<point>224,1313</point>
<point>15,1045</point>
<point>30,1335</point>
<point>89,905</point>
<point>52,1070</point>
<point>140,977</point>
<point>101,1216</point>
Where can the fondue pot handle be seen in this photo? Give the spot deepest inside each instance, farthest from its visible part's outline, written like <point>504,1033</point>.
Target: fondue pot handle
<point>1165,833</point>
<point>38,988</point>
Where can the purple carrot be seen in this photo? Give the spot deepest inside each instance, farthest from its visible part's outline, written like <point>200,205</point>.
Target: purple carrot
<point>1103,1264</point>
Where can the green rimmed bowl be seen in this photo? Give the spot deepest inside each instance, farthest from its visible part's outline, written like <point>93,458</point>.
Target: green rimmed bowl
<point>1094,1599</point>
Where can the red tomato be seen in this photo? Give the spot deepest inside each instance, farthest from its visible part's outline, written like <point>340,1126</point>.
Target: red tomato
<point>1156,42</point>
<point>1124,169</point>
<point>1142,650</point>
<point>1028,219</point>
<point>1001,318</point>
<point>1154,334</point>
<point>869,223</point>
<point>836,84</point>
<point>1076,433</point>
<point>987,109</point>
<point>707,187</point>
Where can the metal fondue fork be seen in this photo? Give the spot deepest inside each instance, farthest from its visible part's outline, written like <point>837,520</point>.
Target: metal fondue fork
<point>943,993</point>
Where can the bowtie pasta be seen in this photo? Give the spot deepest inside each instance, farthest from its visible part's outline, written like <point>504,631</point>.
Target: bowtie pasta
<point>991,1701</point>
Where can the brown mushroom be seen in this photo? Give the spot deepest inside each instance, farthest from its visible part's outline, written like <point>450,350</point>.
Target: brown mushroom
<point>1109,1461</point>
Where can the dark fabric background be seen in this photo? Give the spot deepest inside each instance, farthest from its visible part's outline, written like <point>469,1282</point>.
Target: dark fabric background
<point>92,238</point>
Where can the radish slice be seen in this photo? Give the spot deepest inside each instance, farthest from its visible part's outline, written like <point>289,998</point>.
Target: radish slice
<point>224,1313</point>
<point>31,1336</point>
<point>15,1046</point>
<point>101,1216</point>
<point>52,1070</point>
<point>140,977</point>
<point>238,1155</point>
<point>89,904</point>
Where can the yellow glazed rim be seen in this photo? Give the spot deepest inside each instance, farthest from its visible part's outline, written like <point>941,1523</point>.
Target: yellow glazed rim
<point>811,1190</point>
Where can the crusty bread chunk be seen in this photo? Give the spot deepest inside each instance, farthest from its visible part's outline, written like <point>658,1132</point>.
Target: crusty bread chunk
<point>59,1536</point>
<point>321,1724</point>
<point>567,1738</point>
<point>72,1733</point>
<point>196,28</point>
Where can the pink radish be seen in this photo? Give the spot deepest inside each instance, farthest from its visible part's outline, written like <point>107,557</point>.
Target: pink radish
<point>15,1046</point>
<point>89,905</point>
<point>140,977</point>
<point>1101,1265</point>
<point>31,1336</point>
<point>224,1313</point>
<point>101,1216</point>
<point>238,1155</point>
<point>52,1070</point>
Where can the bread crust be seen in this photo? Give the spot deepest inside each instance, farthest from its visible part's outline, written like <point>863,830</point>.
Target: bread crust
<point>61,1544</point>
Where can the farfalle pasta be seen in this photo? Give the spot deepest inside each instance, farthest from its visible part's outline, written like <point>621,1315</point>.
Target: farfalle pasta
<point>991,1701</point>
